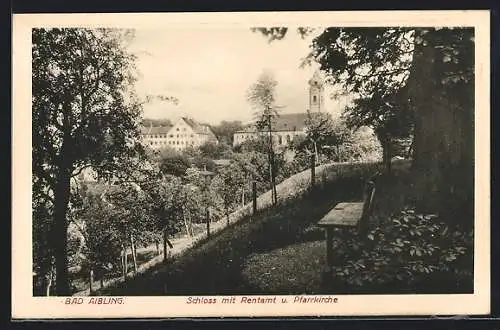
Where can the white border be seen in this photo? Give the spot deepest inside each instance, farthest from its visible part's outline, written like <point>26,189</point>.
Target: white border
<point>24,305</point>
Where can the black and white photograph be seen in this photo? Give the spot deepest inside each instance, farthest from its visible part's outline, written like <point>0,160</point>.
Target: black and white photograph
<point>253,166</point>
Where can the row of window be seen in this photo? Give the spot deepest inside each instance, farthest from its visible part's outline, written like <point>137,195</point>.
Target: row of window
<point>163,136</point>
<point>169,142</point>
<point>277,138</point>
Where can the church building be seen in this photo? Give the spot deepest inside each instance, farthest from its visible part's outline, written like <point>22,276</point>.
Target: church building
<point>289,125</point>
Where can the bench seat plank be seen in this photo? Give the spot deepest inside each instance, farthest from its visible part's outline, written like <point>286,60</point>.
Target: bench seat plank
<point>343,214</point>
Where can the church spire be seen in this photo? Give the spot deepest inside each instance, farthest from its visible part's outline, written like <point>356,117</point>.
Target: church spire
<point>316,88</point>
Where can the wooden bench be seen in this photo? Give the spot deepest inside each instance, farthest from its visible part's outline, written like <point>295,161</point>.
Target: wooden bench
<point>348,215</point>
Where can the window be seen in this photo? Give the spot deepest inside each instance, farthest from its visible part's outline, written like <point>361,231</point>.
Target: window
<point>177,129</point>
<point>288,139</point>
<point>314,99</point>
<point>171,135</point>
<point>280,139</point>
<point>177,135</point>
<point>177,142</point>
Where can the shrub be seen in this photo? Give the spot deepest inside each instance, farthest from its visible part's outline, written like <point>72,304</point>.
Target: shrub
<point>413,248</point>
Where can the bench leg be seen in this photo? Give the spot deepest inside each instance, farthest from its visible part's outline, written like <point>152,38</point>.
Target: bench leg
<point>329,249</point>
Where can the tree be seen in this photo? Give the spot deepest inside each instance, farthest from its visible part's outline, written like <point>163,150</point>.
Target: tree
<point>324,136</point>
<point>209,149</point>
<point>202,163</point>
<point>261,95</point>
<point>226,129</point>
<point>389,116</point>
<point>430,70</point>
<point>85,114</point>
<point>173,162</point>
<point>162,202</point>
<point>92,216</point>
<point>257,143</point>
<point>441,94</point>
<point>228,183</point>
<point>362,146</point>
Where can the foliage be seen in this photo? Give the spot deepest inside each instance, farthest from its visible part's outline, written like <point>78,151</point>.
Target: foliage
<point>227,184</point>
<point>103,242</point>
<point>335,141</point>
<point>402,147</point>
<point>410,82</point>
<point>173,162</point>
<point>261,96</point>
<point>203,162</point>
<point>410,247</point>
<point>256,144</point>
<point>216,151</point>
<point>225,131</point>
<point>362,146</point>
<point>85,114</point>
<point>161,202</point>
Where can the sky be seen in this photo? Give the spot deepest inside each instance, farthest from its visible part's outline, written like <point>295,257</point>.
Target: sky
<point>209,70</point>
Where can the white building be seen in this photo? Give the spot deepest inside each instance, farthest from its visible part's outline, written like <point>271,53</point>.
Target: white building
<point>289,125</point>
<point>186,132</point>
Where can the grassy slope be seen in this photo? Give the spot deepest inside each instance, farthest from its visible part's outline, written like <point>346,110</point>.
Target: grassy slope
<point>215,266</point>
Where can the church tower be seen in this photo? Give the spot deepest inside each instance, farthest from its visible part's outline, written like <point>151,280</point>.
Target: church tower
<point>316,88</point>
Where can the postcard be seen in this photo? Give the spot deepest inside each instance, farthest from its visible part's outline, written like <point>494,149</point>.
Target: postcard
<point>258,164</point>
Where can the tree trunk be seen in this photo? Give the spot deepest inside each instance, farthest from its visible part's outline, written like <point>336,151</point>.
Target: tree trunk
<point>387,152</point>
<point>316,152</point>
<point>134,255</point>
<point>125,262</point>
<point>271,164</point>
<point>49,283</point>
<point>91,280</point>
<point>165,254</point>
<point>208,222</point>
<point>243,196</point>
<point>186,224</point>
<point>60,228</point>
<point>443,163</point>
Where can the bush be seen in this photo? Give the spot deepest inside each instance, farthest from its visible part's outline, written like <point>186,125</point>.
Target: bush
<point>362,147</point>
<point>412,248</point>
<point>174,164</point>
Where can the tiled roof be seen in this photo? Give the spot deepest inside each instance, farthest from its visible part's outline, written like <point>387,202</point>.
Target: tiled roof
<point>199,128</point>
<point>155,129</point>
<point>285,122</point>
